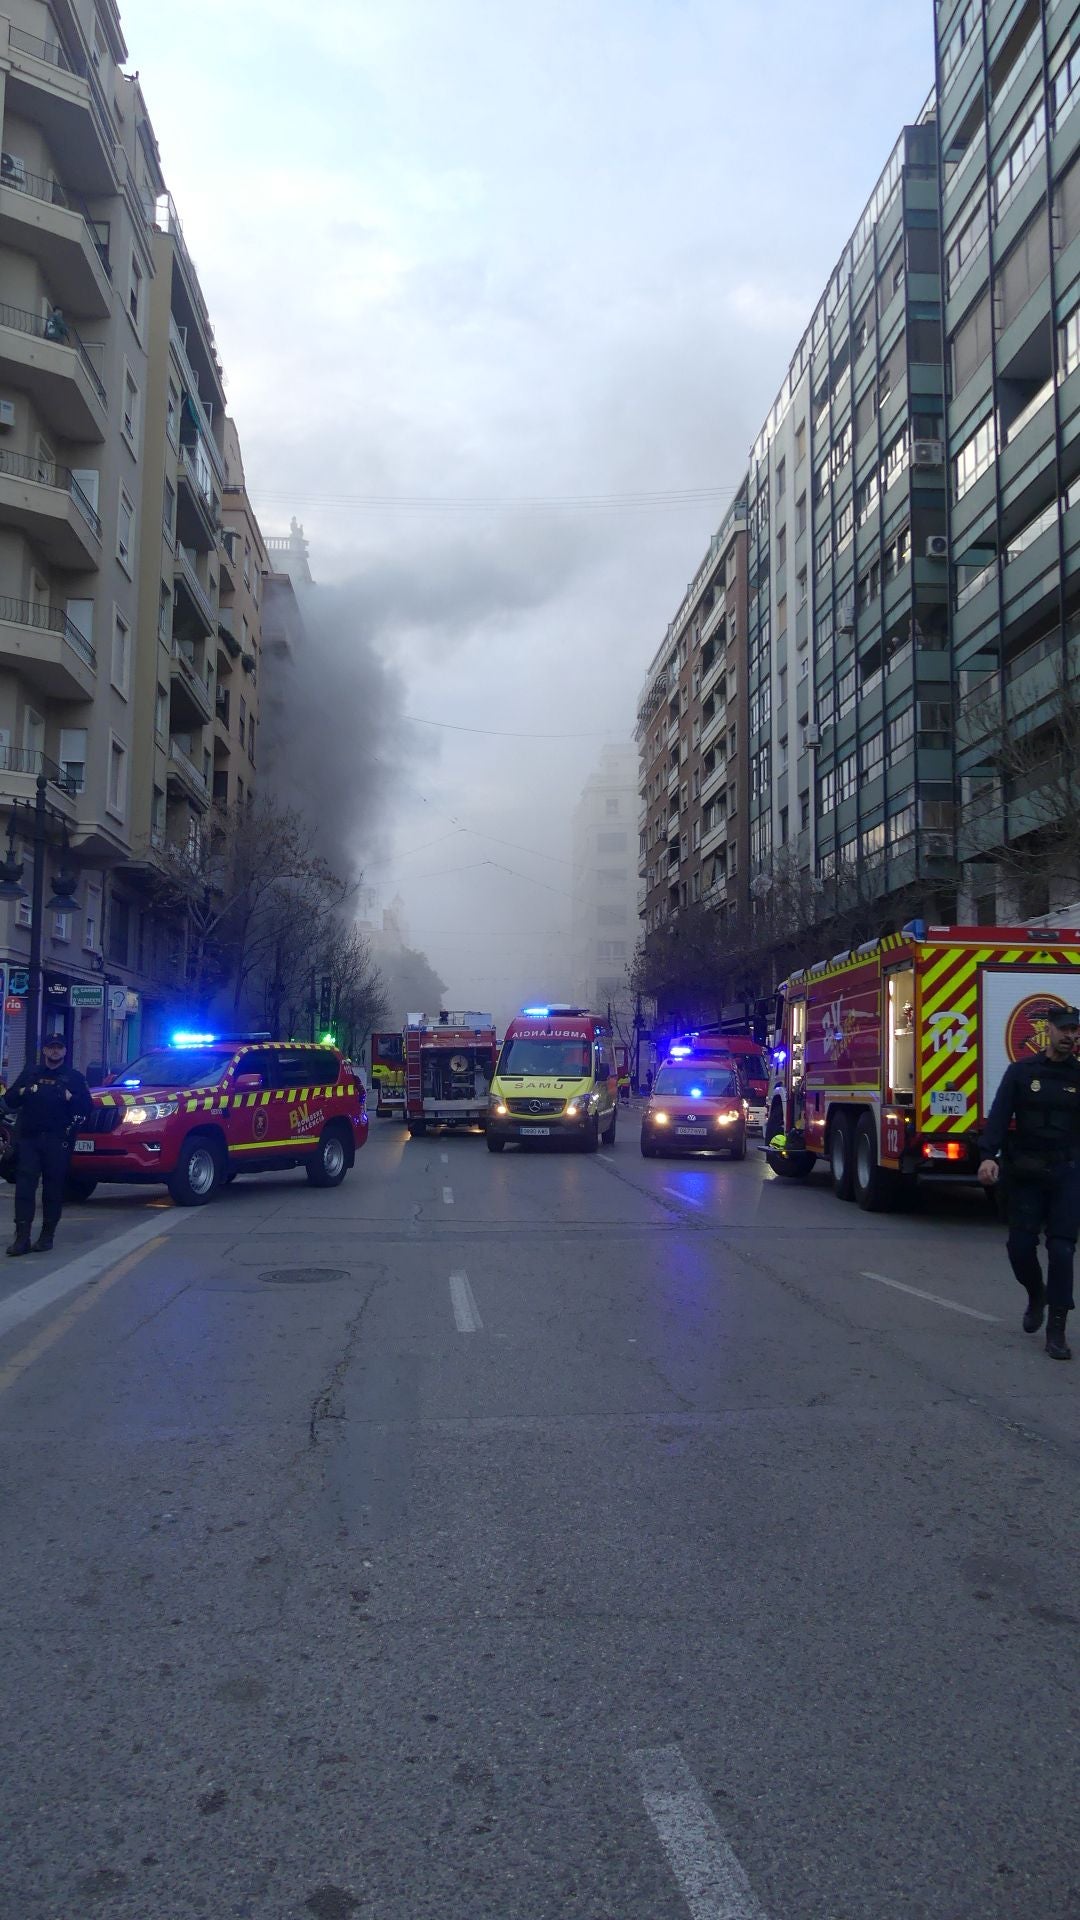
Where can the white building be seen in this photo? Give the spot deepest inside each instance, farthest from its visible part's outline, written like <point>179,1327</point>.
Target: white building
<point>604,916</point>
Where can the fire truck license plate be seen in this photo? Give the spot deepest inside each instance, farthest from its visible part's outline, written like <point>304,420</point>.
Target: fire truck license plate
<point>84,1146</point>
<point>950,1106</point>
<point>702,1131</point>
<point>536,1132</point>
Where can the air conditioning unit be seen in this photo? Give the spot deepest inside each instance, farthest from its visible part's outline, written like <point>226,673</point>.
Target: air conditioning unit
<point>813,734</point>
<point>937,546</point>
<point>7,413</point>
<point>12,171</point>
<point>928,453</point>
<point>937,846</point>
<point>845,617</point>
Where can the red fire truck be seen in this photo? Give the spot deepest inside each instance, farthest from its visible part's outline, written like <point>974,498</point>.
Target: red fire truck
<point>449,1066</point>
<point>887,1058</point>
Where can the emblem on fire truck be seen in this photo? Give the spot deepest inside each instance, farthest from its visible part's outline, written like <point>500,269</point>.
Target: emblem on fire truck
<point>1027,1030</point>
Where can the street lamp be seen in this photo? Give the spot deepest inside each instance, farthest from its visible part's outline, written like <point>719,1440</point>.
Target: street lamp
<point>33,824</point>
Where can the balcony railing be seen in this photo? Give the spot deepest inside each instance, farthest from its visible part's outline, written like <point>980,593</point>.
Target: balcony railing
<point>188,673</point>
<point>187,765</point>
<point>26,760</point>
<point>50,51</point>
<point>38,187</point>
<point>185,562</point>
<point>22,613</point>
<point>44,473</point>
<point>39,329</point>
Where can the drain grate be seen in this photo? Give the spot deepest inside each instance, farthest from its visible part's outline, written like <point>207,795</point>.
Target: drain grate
<point>298,1276</point>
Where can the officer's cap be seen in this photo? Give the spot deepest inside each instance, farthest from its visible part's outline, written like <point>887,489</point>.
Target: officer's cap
<point>55,1040</point>
<point>1063,1016</point>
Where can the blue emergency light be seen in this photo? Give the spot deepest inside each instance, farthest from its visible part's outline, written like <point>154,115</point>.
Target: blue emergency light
<point>536,1013</point>
<point>193,1039</point>
<point>681,1053</point>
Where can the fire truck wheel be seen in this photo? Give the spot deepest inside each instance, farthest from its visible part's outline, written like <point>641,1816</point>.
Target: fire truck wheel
<point>875,1190</point>
<point>330,1161</point>
<point>198,1171</point>
<point>841,1157</point>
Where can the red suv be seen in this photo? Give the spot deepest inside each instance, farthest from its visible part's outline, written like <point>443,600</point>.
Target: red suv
<point>195,1114</point>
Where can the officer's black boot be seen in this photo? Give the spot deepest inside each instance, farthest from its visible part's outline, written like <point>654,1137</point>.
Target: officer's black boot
<point>44,1241</point>
<point>21,1242</point>
<point>1036,1307</point>
<point>1056,1344</point>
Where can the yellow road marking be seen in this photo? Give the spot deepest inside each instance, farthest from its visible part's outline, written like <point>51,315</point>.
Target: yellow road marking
<point>56,1331</point>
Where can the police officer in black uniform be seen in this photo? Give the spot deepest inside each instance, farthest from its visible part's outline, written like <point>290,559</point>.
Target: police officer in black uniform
<point>1033,1133</point>
<point>52,1102</point>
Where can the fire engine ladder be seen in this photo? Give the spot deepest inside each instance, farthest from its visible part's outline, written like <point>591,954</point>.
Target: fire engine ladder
<point>414,1080</point>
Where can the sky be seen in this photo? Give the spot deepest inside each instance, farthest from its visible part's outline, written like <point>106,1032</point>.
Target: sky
<point>503,295</point>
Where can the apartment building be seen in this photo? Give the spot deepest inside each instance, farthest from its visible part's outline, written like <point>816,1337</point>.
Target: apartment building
<point>851,795</point>
<point>1008,83</point>
<point>692,737</point>
<point>77,191</point>
<point>243,571</point>
<point>603,917</point>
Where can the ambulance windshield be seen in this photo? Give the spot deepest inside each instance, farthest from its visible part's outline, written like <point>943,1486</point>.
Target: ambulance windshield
<point>541,1054</point>
<point>176,1067</point>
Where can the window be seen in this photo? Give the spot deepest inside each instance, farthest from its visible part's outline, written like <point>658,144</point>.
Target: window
<point>1069,342</point>
<point>125,530</point>
<point>971,343</point>
<point>251,737</point>
<point>974,457</point>
<point>164,613</point>
<point>611,843</point>
<point>168,512</point>
<point>800,443</point>
<point>959,38</point>
<point>61,926</point>
<point>135,291</point>
<point>804,811</point>
<point>1024,268</point>
<point>961,252</point>
<point>781,547</point>
<point>800,515</point>
<point>172,418</point>
<point>161,713</point>
<point>1018,161</point>
<point>847,778</point>
<point>117,788</point>
<point>73,756</point>
<point>901,734</point>
<point>781,479</point>
<point>131,407</point>
<point>120,654</point>
<point>873,755</point>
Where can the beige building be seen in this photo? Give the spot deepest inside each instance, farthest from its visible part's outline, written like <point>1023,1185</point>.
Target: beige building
<point>239,639</point>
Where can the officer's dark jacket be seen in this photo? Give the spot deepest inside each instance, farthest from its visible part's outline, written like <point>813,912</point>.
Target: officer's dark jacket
<point>1042,1096</point>
<point>48,1102</point>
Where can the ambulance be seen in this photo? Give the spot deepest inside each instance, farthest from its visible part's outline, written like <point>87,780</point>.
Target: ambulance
<point>556,1080</point>
<point>887,1058</point>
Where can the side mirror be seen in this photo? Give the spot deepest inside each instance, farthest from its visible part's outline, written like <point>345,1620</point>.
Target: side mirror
<point>248,1083</point>
<point>603,1072</point>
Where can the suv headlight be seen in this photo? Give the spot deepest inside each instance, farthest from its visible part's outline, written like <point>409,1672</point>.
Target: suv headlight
<point>150,1110</point>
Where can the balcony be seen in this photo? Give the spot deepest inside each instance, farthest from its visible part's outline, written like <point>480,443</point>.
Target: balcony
<point>673,779</point>
<point>19,770</point>
<point>60,92</point>
<point>709,679</point>
<point>228,570</point>
<point>642,896</point>
<point>196,519</point>
<point>715,837</point>
<point>199,414</point>
<point>673,732</point>
<point>673,826</point>
<point>184,777</point>
<point>713,729</point>
<point>47,504</point>
<point>192,703</point>
<point>46,650</point>
<point>41,218</point>
<point>51,363</point>
<point>713,782</point>
<point>193,608</point>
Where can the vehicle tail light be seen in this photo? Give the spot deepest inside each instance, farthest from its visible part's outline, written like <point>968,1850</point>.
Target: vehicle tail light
<point>944,1150</point>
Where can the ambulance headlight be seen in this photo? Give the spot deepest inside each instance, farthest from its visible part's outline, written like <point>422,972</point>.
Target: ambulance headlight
<point>498,1107</point>
<point>581,1103</point>
<point>150,1110</point>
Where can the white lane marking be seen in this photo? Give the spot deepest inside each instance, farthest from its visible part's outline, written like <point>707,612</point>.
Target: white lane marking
<point>710,1878</point>
<point>445,1158</point>
<point>79,1273</point>
<point>953,1305</point>
<point>448,1196</point>
<point>606,1158</point>
<point>462,1299</point>
<point>688,1197</point>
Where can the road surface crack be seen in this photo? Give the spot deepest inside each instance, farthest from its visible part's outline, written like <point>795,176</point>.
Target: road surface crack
<point>326,1405</point>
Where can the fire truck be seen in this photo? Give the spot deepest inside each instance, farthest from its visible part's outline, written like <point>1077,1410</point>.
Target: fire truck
<point>886,1059</point>
<point>449,1066</point>
<point>388,1074</point>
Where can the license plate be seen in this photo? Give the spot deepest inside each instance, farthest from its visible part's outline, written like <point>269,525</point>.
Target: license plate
<point>948,1106</point>
<point>84,1146</point>
<point>700,1132</point>
<point>536,1133</point>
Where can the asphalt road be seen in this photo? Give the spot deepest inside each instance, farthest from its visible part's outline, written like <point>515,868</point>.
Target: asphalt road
<point>545,1537</point>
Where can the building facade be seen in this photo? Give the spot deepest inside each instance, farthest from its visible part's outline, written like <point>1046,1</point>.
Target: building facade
<point>1008,82</point>
<point>243,570</point>
<point>603,917</point>
<point>692,735</point>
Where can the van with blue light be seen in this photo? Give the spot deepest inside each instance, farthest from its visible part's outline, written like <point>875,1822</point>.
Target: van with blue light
<point>556,1080</point>
<point>194,1114</point>
<point>697,1104</point>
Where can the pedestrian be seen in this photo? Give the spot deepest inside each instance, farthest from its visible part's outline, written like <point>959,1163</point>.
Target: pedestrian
<point>56,327</point>
<point>648,1083</point>
<point>51,1102</point>
<point>1032,1145</point>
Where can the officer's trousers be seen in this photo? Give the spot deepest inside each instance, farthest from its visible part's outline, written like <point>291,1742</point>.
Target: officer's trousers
<point>1052,1207</point>
<point>44,1157</point>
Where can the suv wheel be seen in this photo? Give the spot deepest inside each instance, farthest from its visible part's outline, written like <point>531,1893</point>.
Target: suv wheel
<point>198,1173</point>
<point>330,1161</point>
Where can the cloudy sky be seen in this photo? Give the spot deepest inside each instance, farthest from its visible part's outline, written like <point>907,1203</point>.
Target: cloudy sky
<point>492,283</point>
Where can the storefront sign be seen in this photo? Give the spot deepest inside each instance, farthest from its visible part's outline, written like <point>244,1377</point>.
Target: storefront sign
<point>19,980</point>
<point>118,1002</point>
<point>84,994</point>
<point>13,1006</point>
<point>57,990</point>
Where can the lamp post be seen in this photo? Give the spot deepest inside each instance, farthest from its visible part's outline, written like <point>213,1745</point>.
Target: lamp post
<point>34,823</point>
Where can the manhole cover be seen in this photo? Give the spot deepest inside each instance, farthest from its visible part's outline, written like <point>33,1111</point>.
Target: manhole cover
<point>296,1276</point>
